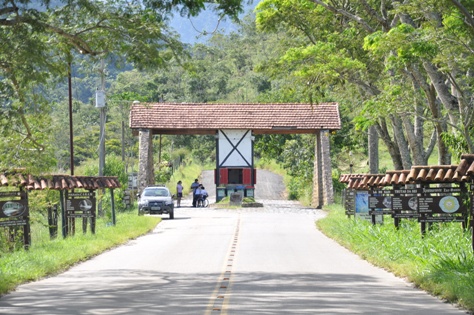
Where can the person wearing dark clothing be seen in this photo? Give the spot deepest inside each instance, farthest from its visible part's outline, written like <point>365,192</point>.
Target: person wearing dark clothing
<point>198,194</point>
<point>194,186</point>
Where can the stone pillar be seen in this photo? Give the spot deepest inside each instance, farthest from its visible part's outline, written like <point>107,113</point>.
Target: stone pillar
<point>146,173</point>
<point>323,193</point>
<point>328,189</point>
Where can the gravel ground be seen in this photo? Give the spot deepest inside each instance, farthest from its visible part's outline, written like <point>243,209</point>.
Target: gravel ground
<point>269,190</point>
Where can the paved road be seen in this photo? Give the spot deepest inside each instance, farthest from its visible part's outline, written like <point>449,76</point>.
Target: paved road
<point>269,260</point>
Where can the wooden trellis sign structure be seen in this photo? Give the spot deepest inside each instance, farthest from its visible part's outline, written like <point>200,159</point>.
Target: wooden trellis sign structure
<point>77,199</point>
<point>429,194</point>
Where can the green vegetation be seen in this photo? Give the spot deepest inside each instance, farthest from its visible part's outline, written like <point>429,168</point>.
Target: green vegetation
<point>46,257</point>
<point>442,262</point>
<point>298,187</point>
<point>187,174</point>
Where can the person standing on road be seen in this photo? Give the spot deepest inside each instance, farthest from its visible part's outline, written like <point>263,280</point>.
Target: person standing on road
<point>194,186</point>
<point>198,194</point>
<point>179,193</point>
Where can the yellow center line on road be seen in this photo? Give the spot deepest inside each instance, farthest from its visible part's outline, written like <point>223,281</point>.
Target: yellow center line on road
<point>219,300</point>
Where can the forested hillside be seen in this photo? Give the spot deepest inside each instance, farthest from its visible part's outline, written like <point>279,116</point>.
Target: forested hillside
<point>400,72</point>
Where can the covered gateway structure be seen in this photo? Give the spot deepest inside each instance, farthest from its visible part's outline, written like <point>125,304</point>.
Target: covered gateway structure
<point>234,127</point>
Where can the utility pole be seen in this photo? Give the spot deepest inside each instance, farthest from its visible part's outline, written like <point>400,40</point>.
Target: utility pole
<point>123,132</point>
<point>100,103</point>
<point>71,135</point>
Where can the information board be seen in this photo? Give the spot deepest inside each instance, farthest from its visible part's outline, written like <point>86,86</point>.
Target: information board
<point>81,205</point>
<point>362,209</point>
<point>13,204</point>
<point>440,204</point>
<point>349,204</point>
<point>405,204</point>
<point>14,213</point>
<point>380,204</point>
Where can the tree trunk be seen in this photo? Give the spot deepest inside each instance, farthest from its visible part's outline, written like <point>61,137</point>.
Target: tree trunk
<point>444,157</point>
<point>443,92</point>
<point>392,147</point>
<point>401,141</point>
<point>414,141</point>
<point>373,150</point>
<point>431,145</point>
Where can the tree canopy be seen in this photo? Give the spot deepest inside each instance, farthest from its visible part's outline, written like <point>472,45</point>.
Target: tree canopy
<point>41,38</point>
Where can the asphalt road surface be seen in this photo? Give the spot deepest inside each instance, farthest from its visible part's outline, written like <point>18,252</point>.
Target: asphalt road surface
<point>255,261</point>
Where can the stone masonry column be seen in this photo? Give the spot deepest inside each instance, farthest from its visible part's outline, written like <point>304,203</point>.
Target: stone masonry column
<point>146,173</point>
<point>323,193</point>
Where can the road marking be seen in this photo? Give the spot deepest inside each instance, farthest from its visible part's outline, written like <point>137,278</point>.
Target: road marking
<point>219,300</point>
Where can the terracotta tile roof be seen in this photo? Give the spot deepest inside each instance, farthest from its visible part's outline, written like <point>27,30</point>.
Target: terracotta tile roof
<point>356,181</point>
<point>363,181</point>
<point>466,166</point>
<point>346,178</point>
<point>57,182</point>
<point>436,173</point>
<point>176,118</point>
<point>463,172</point>
<point>396,177</point>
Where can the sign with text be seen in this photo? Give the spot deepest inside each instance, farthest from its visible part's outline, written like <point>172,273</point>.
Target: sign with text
<point>14,215</point>
<point>362,209</point>
<point>380,202</point>
<point>362,203</point>
<point>405,207</point>
<point>400,203</point>
<point>441,190</point>
<point>406,192</point>
<point>440,204</point>
<point>13,204</point>
<point>442,218</point>
<point>444,204</point>
<point>80,204</point>
<point>349,203</point>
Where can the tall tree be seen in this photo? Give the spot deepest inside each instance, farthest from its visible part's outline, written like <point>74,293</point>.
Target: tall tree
<point>42,37</point>
<point>407,71</point>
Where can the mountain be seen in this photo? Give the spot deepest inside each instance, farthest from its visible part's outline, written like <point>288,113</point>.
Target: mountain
<point>200,28</point>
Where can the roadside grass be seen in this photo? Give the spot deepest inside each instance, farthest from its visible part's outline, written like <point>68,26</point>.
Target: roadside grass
<point>48,257</point>
<point>296,189</point>
<point>271,165</point>
<point>441,263</point>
